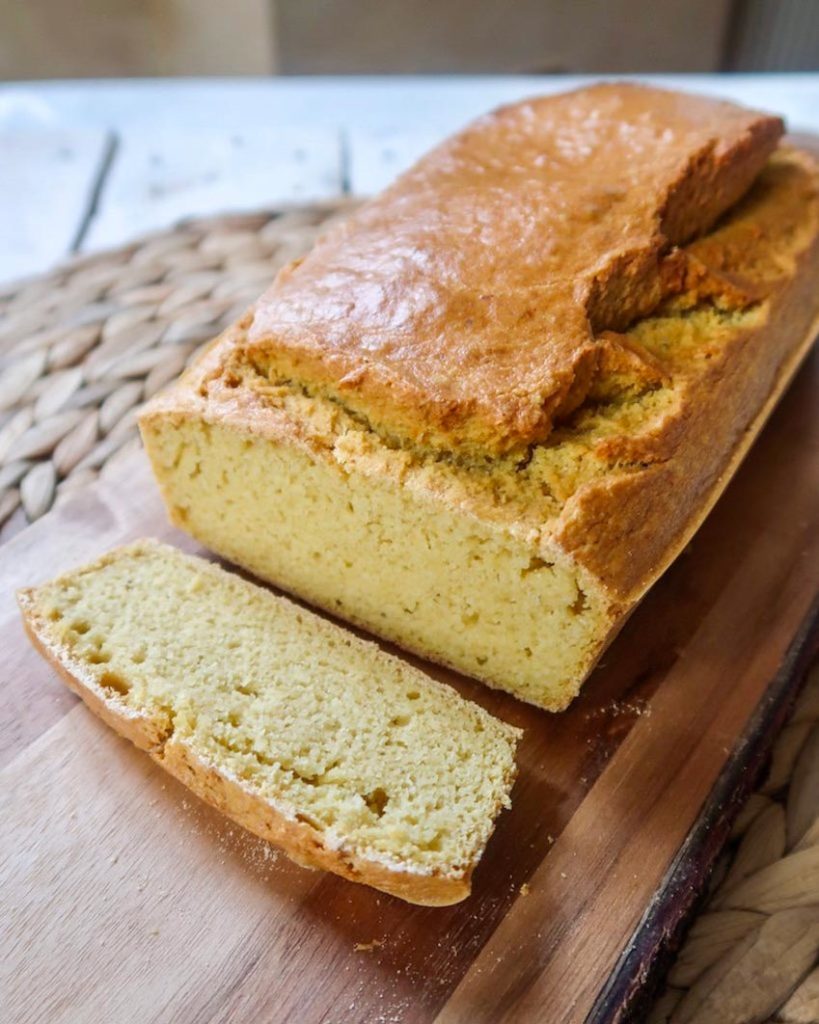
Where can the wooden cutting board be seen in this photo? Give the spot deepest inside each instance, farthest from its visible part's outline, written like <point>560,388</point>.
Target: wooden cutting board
<point>124,899</point>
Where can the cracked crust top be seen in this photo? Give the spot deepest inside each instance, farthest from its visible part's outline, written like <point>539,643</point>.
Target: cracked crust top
<point>672,397</point>
<point>459,309</point>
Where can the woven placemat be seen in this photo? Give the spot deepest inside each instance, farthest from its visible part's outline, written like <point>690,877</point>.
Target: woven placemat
<point>81,349</point>
<point>751,954</point>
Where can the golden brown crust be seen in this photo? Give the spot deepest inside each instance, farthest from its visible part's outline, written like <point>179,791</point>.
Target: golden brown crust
<point>628,529</point>
<point>456,310</point>
<point>624,525</point>
<point>653,425</point>
<point>300,841</point>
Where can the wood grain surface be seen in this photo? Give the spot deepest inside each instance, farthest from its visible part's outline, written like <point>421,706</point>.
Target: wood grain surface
<point>125,899</point>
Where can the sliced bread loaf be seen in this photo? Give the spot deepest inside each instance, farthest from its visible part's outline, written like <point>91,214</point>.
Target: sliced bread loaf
<point>346,757</point>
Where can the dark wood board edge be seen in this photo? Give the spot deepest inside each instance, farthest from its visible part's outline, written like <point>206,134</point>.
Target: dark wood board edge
<point>627,996</point>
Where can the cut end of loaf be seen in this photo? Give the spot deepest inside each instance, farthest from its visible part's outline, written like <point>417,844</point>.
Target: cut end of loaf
<point>404,562</point>
<point>345,756</point>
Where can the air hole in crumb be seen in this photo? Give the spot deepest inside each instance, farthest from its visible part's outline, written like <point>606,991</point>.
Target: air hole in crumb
<point>400,720</point>
<point>80,626</point>
<point>99,657</point>
<point>113,681</point>
<point>434,845</point>
<point>413,695</point>
<point>377,801</point>
<point>138,657</point>
<point>580,603</point>
<point>247,690</point>
<point>235,719</point>
<point>55,615</point>
<point>536,563</point>
<point>527,651</point>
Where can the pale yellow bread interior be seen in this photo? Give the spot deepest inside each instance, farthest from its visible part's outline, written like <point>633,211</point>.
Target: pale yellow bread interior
<point>346,756</point>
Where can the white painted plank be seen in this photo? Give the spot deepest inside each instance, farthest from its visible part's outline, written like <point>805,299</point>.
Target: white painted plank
<point>390,121</point>
<point>46,182</point>
<point>378,156</point>
<point>161,176</point>
<point>411,103</point>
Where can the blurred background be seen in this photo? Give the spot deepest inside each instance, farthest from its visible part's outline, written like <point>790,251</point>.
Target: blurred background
<point>124,38</point>
<point>153,111</point>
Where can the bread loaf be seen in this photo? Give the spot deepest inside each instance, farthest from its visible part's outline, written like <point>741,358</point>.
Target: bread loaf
<point>482,416</point>
<point>346,757</point>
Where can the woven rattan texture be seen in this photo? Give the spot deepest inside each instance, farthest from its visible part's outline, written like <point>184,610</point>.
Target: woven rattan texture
<point>751,954</point>
<point>83,347</point>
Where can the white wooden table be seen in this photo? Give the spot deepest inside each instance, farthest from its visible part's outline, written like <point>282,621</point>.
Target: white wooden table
<point>84,165</point>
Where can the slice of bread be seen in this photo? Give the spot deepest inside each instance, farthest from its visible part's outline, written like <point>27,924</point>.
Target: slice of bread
<point>343,755</point>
